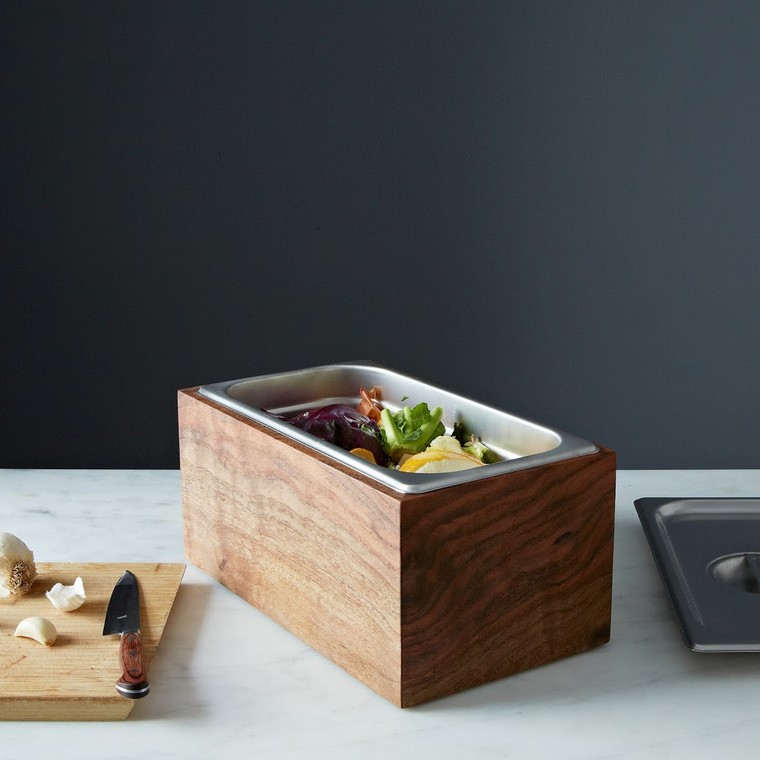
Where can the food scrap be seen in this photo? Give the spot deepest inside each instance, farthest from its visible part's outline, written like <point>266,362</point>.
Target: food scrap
<point>344,426</point>
<point>445,454</point>
<point>412,439</point>
<point>67,598</point>
<point>369,404</point>
<point>38,628</point>
<point>17,568</point>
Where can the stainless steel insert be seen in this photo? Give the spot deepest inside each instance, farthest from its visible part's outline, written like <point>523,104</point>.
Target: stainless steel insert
<point>518,442</point>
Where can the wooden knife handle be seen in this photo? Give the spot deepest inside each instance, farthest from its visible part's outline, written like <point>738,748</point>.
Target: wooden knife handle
<point>133,682</point>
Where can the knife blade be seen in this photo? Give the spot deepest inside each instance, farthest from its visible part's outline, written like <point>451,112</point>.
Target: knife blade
<point>123,617</point>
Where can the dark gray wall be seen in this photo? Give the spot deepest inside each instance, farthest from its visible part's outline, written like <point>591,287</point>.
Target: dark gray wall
<point>550,206</point>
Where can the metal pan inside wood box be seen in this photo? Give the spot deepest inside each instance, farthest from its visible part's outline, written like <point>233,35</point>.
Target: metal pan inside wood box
<point>517,442</point>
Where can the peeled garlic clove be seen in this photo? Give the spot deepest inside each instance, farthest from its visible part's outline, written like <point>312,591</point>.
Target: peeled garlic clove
<point>67,598</point>
<point>37,628</point>
<point>17,568</point>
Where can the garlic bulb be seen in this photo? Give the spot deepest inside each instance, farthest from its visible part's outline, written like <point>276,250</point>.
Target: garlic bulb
<point>17,568</point>
<point>37,628</point>
<point>67,598</point>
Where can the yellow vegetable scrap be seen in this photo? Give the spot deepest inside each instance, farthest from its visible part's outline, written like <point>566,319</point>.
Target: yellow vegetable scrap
<point>444,454</point>
<point>364,454</point>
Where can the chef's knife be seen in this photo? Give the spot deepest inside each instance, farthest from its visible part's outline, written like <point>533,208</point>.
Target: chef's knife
<point>123,617</point>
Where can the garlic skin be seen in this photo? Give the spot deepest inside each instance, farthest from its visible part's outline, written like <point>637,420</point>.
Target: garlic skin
<point>17,568</point>
<point>37,628</point>
<point>67,598</point>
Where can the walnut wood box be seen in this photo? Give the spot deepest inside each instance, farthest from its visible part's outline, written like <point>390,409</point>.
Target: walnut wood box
<point>418,595</point>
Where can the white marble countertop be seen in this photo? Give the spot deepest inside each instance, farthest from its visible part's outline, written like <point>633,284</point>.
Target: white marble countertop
<point>228,682</point>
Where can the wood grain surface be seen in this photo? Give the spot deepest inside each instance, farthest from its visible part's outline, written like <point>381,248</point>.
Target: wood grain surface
<point>416,595</point>
<point>75,678</point>
<point>303,541</point>
<point>505,575</point>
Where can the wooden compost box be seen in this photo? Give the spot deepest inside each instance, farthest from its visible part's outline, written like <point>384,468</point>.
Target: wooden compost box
<point>417,594</point>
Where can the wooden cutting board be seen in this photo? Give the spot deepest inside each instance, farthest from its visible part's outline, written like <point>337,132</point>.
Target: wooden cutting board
<point>74,679</point>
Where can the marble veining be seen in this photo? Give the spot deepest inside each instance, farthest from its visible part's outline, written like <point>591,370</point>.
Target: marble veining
<point>227,681</point>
